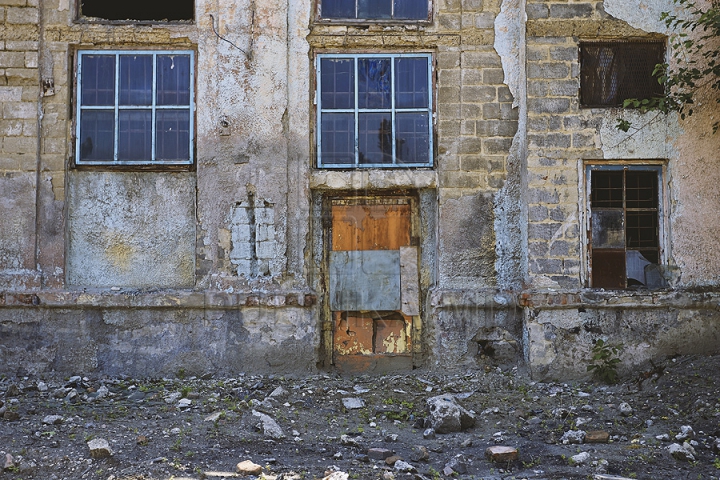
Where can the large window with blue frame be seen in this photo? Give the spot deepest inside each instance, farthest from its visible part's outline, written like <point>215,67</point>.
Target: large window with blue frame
<point>400,10</point>
<point>135,108</point>
<point>374,110</point>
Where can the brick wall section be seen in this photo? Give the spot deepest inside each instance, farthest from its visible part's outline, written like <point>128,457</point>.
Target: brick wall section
<point>18,85</point>
<point>560,135</point>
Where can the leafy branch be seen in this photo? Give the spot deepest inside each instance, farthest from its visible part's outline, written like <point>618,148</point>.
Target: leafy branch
<point>696,65</point>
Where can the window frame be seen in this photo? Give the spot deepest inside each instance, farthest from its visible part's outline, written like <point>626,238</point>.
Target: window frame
<point>369,21</point>
<point>430,110</point>
<point>614,42</point>
<point>658,166</point>
<point>152,163</point>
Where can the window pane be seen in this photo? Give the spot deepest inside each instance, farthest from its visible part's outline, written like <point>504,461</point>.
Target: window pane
<point>641,189</point>
<point>374,83</point>
<point>173,135</point>
<point>607,189</point>
<point>411,83</point>
<point>173,78</point>
<point>375,138</point>
<point>338,139</point>
<point>412,137</point>
<point>97,140</point>
<point>374,9</point>
<point>98,80</point>
<point>338,9</point>
<point>337,89</point>
<point>135,138</point>
<point>608,269</point>
<point>642,229</point>
<point>136,75</point>
<point>411,9</point>
<point>608,229</point>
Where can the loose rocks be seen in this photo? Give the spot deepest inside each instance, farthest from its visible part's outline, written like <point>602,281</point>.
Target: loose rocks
<point>99,448</point>
<point>247,467</point>
<point>447,416</point>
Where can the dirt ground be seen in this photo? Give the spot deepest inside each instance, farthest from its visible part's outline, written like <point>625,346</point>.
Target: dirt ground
<point>192,428</point>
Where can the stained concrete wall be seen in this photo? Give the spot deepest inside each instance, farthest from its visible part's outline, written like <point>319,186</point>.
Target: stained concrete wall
<point>503,255</point>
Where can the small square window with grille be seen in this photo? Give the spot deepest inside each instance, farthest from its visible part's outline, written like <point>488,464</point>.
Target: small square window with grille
<point>613,71</point>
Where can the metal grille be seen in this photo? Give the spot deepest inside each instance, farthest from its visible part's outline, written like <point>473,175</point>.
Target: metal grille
<point>611,72</point>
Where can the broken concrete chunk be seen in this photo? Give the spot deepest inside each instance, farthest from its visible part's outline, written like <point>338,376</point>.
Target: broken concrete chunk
<point>99,448</point>
<point>246,467</point>
<point>580,458</point>
<point>53,420</point>
<point>447,415</point>
<point>269,426</point>
<point>501,454</point>
<point>353,403</point>
<point>573,437</point>
<point>379,453</point>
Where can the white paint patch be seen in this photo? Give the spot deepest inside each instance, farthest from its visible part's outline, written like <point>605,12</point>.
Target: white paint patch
<point>651,135</point>
<point>641,14</point>
<point>509,35</point>
<point>64,5</point>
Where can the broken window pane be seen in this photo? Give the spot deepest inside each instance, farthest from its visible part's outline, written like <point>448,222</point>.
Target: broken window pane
<point>156,10</point>
<point>608,229</point>
<point>374,83</point>
<point>613,71</point>
<point>625,229</point>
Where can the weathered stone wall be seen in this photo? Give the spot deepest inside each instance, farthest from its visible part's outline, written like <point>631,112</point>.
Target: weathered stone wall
<point>222,268</point>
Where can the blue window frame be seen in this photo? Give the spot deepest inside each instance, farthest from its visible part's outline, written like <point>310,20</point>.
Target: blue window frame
<point>135,108</point>
<point>374,110</point>
<point>400,10</point>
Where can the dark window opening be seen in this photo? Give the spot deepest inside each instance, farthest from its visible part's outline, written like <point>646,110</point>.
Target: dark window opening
<point>611,72</point>
<point>374,9</point>
<point>142,10</point>
<point>625,229</point>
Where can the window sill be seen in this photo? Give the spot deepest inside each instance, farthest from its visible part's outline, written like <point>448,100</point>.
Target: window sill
<point>372,178</point>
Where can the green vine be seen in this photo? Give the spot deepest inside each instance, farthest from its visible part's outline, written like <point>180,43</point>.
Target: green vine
<point>696,64</point>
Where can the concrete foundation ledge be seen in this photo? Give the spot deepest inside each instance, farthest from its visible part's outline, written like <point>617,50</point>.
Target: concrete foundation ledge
<point>582,298</point>
<point>165,299</point>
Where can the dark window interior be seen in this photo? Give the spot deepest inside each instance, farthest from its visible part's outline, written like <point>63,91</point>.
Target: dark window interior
<point>611,72</point>
<point>625,229</point>
<point>374,9</point>
<point>142,10</point>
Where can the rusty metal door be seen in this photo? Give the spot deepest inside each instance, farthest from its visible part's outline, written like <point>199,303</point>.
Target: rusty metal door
<point>373,283</point>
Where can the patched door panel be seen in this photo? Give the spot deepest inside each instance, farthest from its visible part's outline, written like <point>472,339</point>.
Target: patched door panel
<point>365,280</point>
<point>374,292</point>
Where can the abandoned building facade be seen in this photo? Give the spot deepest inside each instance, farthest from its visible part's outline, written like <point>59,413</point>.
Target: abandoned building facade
<point>360,185</point>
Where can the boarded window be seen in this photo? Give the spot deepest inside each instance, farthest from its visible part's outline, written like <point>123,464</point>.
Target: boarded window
<point>142,10</point>
<point>611,72</point>
<point>374,9</point>
<point>625,226</point>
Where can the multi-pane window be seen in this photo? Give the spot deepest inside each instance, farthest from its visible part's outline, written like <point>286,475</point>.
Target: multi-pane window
<point>625,226</point>
<point>374,9</point>
<point>613,71</point>
<point>374,110</point>
<point>135,108</point>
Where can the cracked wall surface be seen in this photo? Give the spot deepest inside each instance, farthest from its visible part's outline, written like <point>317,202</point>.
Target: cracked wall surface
<point>223,266</point>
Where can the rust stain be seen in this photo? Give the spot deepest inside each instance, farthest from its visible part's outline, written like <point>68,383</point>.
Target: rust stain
<point>370,227</point>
